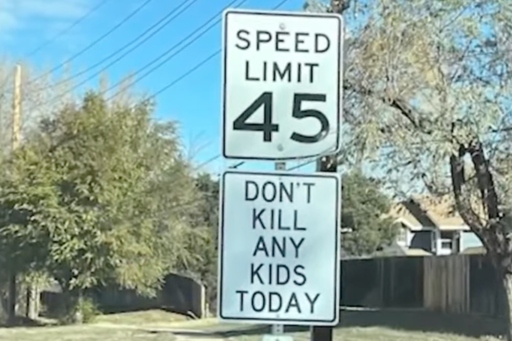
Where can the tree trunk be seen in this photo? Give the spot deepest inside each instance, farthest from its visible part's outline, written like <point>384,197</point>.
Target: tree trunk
<point>32,301</point>
<point>13,298</point>
<point>507,284</point>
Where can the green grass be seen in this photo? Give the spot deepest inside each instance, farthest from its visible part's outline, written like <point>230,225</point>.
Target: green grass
<point>371,334</point>
<point>95,333</point>
<point>80,333</point>
<point>355,326</point>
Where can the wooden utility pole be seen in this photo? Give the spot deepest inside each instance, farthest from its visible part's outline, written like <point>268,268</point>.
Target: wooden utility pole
<point>16,109</point>
<point>15,140</point>
<point>329,164</point>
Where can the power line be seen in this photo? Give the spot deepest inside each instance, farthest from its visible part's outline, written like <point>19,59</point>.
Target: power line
<point>168,51</point>
<point>61,33</point>
<point>165,21</point>
<point>210,160</point>
<point>69,28</point>
<point>197,66</point>
<point>186,74</point>
<point>96,41</point>
<point>208,58</point>
<point>204,61</point>
<point>237,165</point>
<point>164,54</point>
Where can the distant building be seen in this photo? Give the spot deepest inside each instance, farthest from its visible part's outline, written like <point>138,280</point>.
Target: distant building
<point>431,224</point>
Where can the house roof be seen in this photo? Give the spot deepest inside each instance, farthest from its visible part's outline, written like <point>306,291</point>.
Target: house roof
<point>395,250</point>
<point>422,212</point>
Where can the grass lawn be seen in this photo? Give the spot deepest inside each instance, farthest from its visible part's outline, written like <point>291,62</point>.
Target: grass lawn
<point>356,326</point>
<point>80,333</point>
<point>95,333</point>
<point>371,334</point>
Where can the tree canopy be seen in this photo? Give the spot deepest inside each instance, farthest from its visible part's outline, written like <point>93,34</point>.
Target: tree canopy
<point>422,79</point>
<point>364,209</point>
<point>97,195</point>
<point>427,93</point>
<point>200,260</point>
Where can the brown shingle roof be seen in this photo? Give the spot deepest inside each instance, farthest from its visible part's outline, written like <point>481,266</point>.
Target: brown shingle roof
<point>427,211</point>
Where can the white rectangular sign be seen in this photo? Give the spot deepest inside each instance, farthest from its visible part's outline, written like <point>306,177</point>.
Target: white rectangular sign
<point>278,248</point>
<point>282,84</point>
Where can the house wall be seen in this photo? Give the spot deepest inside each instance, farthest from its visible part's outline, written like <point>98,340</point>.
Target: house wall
<point>429,239</point>
<point>421,240</point>
<point>440,251</point>
<point>469,239</point>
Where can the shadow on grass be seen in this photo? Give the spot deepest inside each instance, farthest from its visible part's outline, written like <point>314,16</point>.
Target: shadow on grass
<point>417,321</point>
<point>422,321</point>
<point>21,321</point>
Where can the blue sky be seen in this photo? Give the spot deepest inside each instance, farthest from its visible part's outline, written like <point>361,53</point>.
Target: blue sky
<point>194,101</point>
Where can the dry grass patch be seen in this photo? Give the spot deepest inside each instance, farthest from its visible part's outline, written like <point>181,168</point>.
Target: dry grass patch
<point>142,318</point>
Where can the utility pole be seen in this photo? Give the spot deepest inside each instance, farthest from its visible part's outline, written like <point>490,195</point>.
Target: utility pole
<point>329,164</point>
<point>16,109</point>
<point>15,140</point>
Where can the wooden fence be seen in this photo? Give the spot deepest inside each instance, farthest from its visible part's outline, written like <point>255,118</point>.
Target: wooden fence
<point>178,294</point>
<point>382,282</point>
<point>446,285</point>
<point>452,284</point>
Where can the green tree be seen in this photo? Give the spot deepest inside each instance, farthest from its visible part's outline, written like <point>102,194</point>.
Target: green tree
<point>40,97</point>
<point>427,96</point>
<point>363,211</point>
<point>208,208</point>
<point>98,195</point>
<point>200,258</point>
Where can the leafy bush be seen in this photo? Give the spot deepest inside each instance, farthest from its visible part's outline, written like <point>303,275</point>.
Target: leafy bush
<point>83,311</point>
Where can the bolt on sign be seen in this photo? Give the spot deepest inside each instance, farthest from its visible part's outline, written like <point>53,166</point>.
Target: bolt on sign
<point>278,260</point>
<point>282,84</point>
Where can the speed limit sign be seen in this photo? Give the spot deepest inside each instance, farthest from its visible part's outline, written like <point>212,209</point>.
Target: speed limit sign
<point>282,81</point>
